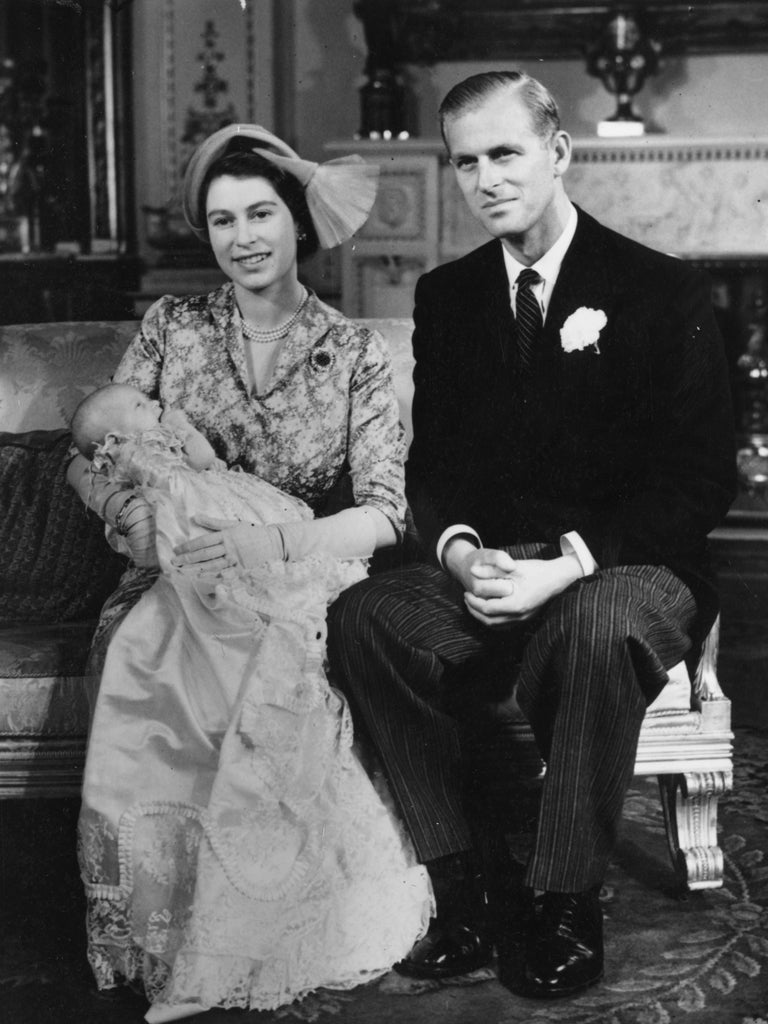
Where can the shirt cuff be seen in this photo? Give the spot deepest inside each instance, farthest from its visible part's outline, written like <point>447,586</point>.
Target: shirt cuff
<point>572,544</point>
<point>459,530</point>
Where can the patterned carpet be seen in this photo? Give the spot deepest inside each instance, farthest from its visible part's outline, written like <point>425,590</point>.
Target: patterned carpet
<point>702,960</point>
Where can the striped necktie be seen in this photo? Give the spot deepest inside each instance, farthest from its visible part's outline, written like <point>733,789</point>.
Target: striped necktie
<point>528,317</point>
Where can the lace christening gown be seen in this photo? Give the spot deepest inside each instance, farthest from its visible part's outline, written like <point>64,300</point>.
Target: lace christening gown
<point>234,851</point>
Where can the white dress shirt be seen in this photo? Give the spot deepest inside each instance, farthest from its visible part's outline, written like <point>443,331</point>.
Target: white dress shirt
<point>548,267</point>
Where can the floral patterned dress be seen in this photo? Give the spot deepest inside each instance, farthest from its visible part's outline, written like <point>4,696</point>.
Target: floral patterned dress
<point>328,420</point>
<point>234,851</point>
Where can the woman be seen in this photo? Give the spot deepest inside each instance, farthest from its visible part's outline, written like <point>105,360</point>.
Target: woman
<point>233,850</point>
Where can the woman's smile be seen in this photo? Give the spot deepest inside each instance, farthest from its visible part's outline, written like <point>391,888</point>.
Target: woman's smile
<point>252,259</point>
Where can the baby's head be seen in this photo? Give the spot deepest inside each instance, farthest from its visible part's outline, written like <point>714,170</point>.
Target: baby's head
<point>115,408</point>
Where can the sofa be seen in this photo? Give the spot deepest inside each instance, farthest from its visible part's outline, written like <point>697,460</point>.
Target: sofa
<point>58,569</point>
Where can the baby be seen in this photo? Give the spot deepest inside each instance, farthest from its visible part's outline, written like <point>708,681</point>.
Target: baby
<point>123,410</point>
<point>131,441</point>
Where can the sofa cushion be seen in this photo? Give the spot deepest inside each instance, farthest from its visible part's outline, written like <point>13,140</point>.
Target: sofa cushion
<point>56,563</point>
<point>43,688</point>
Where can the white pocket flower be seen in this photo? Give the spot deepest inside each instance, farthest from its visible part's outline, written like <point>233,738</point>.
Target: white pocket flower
<point>582,329</point>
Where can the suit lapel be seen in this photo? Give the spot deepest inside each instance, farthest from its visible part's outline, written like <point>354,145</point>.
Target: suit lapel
<point>587,278</point>
<point>496,312</point>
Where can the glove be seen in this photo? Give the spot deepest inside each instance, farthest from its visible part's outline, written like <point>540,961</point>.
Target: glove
<point>135,526</point>
<point>352,533</point>
<point>230,544</point>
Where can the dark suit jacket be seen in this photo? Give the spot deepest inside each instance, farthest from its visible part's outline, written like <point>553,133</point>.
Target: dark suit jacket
<point>632,447</point>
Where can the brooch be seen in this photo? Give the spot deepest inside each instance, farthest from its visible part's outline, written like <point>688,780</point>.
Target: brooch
<point>320,359</point>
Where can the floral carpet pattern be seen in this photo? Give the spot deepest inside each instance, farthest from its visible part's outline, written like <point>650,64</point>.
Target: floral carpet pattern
<point>669,960</point>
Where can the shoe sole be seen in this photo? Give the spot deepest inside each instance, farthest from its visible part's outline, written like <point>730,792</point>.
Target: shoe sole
<point>422,974</point>
<point>559,994</point>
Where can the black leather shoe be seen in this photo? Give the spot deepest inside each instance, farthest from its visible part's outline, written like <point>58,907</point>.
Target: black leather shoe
<point>447,951</point>
<point>564,954</point>
<point>512,919</point>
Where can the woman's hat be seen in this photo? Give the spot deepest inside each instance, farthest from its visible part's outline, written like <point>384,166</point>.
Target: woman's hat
<point>340,193</point>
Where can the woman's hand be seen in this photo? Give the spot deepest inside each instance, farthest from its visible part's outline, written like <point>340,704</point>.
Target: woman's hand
<point>351,533</point>
<point>229,544</point>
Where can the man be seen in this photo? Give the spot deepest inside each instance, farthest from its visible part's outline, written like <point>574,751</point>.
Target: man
<point>572,449</point>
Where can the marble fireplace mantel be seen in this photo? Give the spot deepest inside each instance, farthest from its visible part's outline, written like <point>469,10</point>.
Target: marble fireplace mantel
<point>693,197</point>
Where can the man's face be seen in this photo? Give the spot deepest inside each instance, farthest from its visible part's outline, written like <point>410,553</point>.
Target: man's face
<point>509,175</point>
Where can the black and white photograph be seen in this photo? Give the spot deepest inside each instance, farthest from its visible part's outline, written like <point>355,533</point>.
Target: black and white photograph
<point>383,511</point>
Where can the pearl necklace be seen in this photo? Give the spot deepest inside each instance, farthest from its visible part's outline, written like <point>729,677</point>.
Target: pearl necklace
<point>266,337</point>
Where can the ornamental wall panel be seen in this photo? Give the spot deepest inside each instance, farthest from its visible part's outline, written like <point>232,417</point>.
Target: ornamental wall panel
<point>206,63</point>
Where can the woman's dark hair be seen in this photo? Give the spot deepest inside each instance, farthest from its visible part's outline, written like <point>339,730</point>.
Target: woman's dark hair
<point>240,162</point>
<point>469,94</point>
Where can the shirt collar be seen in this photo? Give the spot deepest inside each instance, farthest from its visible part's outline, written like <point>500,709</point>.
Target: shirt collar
<point>548,267</point>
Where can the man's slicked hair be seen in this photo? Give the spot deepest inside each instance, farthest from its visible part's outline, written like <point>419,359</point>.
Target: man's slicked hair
<point>469,94</point>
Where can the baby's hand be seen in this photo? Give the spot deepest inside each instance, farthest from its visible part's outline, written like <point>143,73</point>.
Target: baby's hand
<point>175,419</point>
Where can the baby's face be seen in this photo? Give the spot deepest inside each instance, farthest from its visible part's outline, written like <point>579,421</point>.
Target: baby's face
<point>133,411</point>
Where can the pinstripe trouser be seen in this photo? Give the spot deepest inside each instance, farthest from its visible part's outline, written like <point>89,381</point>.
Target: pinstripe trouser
<point>427,683</point>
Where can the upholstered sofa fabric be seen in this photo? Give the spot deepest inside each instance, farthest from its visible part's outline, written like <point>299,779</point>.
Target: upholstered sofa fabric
<point>42,674</point>
<point>56,565</point>
<point>47,369</point>
<point>56,571</point>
